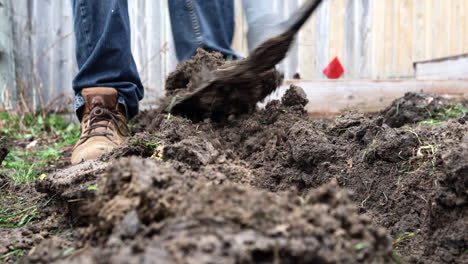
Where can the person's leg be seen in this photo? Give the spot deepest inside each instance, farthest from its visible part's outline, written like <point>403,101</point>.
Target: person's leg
<point>207,24</point>
<point>107,86</point>
<point>262,21</point>
<point>102,31</point>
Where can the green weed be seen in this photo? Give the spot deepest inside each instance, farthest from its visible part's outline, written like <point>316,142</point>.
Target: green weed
<point>396,257</point>
<point>51,133</point>
<point>361,246</point>
<point>19,211</point>
<point>404,236</point>
<point>28,126</point>
<point>152,146</point>
<point>18,253</point>
<point>68,251</point>
<point>148,145</point>
<point>441,114</point>
<point>364,201</point>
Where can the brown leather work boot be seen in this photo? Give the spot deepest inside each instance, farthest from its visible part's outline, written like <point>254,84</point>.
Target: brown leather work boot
<point>103,125</point>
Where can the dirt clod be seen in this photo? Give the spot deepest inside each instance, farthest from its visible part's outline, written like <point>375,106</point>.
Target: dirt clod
<point>232,89</point>
<point>295,96</point>
<point>412,108</point>
<point>4,148</point>
<point>189,74</point>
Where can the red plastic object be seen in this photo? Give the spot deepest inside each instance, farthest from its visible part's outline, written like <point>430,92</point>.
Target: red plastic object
<point>334,70</point>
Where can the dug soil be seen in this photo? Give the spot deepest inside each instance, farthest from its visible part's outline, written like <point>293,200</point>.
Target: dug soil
<point>270,186</point>
<point>4,148</point>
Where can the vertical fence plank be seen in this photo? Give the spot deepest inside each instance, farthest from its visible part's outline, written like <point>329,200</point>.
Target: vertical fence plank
<point>419,33</point>
<point>337,32</point>
<point>440,35</point>
<point>428,31</point>
<point>456,31</point>
<point>322,41</point>
<point>378,38</point>
<point>40,43</point>
<point>405,38</point>
<point>389,36</point>
<point>350,64</point>
<point>60,53</point>
<point>358,51</point>
<point>364,43</point>
<point>307,49</point>
<point>7,60</point>
<point>464,24</point>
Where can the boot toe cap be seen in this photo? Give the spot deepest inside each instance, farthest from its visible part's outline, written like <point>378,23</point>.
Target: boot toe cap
<point>90,151</point>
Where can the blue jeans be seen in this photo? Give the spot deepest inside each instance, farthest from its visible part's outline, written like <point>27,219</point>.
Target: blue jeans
<point>102,32</point>
<point>262,20</point>
<point>208,24</point>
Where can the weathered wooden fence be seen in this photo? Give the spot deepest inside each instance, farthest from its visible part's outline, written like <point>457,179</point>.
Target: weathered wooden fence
<point>377,39</point>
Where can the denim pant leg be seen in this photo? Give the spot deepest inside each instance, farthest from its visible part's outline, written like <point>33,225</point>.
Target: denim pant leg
<point>207,24</point>
<point>102,31</point>
<point>263,21</point>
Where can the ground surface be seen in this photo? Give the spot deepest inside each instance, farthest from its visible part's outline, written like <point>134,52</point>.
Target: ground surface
<point>272,186</point>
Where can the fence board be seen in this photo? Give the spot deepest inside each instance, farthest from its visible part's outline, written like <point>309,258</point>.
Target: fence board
<point>7,63</point>
<point>307,49</point>
<point>337,21</point>
<point>419,33</point>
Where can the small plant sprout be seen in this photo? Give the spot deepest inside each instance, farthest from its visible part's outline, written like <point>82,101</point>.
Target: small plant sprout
<point>428,111</point>
<point>401,157</point>
<point>173,100</point>
<point>363,158</point>
<point>17,252</point>
<point>365,200</point>
<point>404,236</point>
<point>416,135</point>
<point>442,113</point>
<point>361,246</point>
<point>68,251</point>
<point>385,196</point>
<point>399,179</point>
<point>152,146</point>
<point>93,188</point>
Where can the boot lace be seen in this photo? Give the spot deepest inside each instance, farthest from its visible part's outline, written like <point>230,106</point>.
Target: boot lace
<point>93,120</point>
